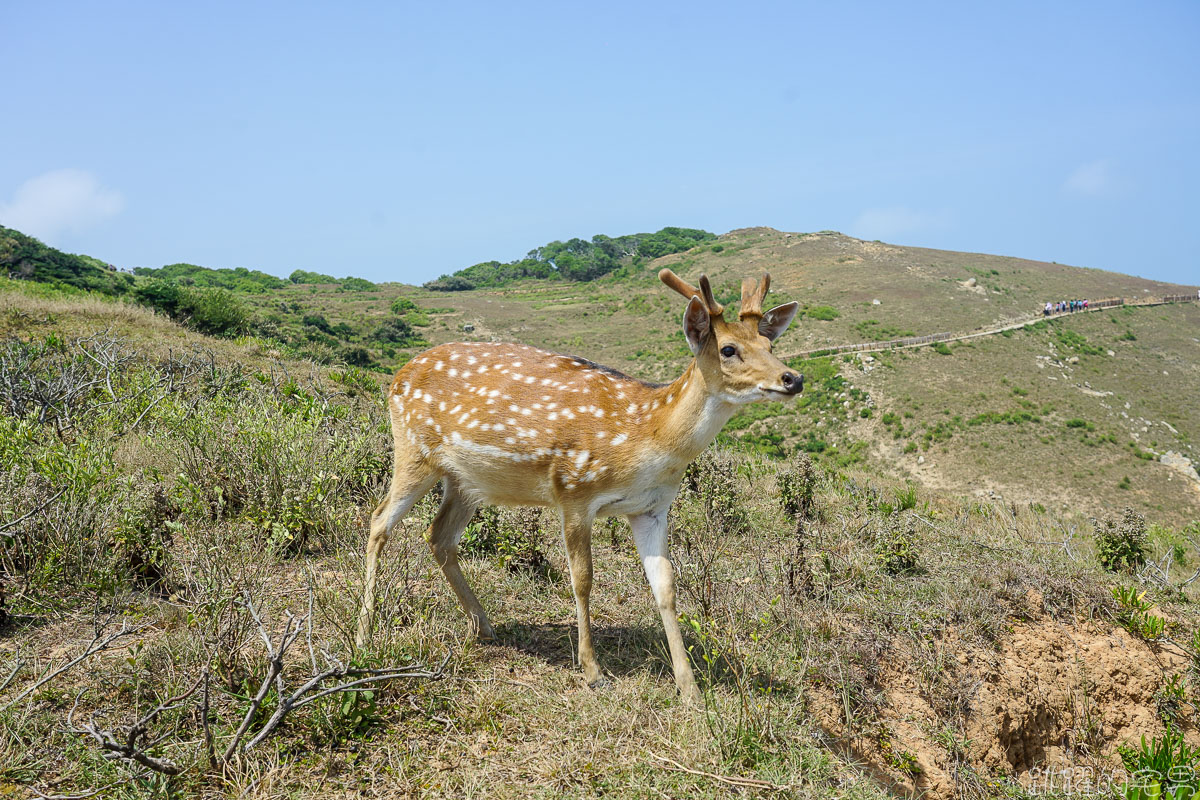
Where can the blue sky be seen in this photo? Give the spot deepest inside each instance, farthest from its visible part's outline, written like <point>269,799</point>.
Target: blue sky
<point>400,141</point>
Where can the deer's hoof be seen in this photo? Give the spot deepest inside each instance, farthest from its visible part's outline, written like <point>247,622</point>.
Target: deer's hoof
<point>600,684</point>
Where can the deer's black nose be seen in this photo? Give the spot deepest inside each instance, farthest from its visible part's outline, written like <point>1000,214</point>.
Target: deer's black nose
<point>793,382</point>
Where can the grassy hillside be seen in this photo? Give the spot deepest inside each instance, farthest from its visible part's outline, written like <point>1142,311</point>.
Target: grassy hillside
<point>892,584</point>
<point>854,635</point>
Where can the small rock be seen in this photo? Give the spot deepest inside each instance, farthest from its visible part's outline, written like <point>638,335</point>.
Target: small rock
<point>970,282</point>
<point>1111,353</point>
<point>920,459</point>
<point>874,302</point>
<point>1073,360</point>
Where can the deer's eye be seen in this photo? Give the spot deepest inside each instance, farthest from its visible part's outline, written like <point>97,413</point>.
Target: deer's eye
<point>729,351</point>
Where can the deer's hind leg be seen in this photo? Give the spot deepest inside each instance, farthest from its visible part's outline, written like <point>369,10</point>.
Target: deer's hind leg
<point>444,535</point>
<point>412,478</point>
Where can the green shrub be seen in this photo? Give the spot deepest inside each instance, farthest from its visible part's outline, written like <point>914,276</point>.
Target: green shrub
<point>514,534</point>
<point>357,356</point>
<point>824,313</point>
<point>797,487</point>
<point>304,276</point>
<point>1076,422</point>
<point>217,312</point>
<point>357,285</point>
<point>896,544</point>
<point>393,330</point>
<point>711,478</point>
<point>402,305</point>
<point>1121,546</point>
<point>942,349</point>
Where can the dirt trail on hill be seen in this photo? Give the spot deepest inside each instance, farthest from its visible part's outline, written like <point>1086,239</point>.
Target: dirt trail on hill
<point>920,341</point>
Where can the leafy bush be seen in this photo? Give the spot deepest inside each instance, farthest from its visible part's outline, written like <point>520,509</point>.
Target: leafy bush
<point>394,330</point>
<point>304,276</point>
<point>711,478</point>
<point>217,312</point>
<point>942,349</point>
<point>797,487</point>
<point>1121,546</point>
<point>402,305</point>
<point>357,356</point>
<point>896,544</point>
<point>824,313</point>
<point>357,285</point>
<point>514,534</point>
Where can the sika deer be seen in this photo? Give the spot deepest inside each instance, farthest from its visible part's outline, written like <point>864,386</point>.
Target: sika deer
<point>506,424</point>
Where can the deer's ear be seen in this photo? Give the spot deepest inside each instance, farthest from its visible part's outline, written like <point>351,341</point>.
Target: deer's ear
<point>776,321</point>
<point>696,324</point>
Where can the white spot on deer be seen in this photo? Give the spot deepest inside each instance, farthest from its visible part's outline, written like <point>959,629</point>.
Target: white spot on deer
<point>417,394</point>
<point>483,369</point>
<point>526,411</point>
<point>599,412</point>
<point>463,418</point>
<point>438,366</point>
<point>570,486</point>
<point>670,397</point>
<point>427,398</point>
<point>456,408</point>
<point>516,363</point>
<point>473,424</point>
<point>632,409</point>
<point>545,381</point>
<point>471,360</point>
<point>619,439</point>
<point>455,436</point>
<point>601,434</point>
<point>493,393</point>
<point>509,440</point>
<point>568,413</point>
<point>442,405</point>
<point>552,416</point>
<point>511,421</point>
<point>487,426</point>
<point>499,426</point>
<point>466,373</point>
<point>581,459</point>
<point>406,388</point>
<point>453,372</point>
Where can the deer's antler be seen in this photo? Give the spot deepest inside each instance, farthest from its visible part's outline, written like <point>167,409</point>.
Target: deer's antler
<point>687,290</point>
<point>753,293</point>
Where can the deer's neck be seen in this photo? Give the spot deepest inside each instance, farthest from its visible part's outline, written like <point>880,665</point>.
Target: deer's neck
<point>689,416</point>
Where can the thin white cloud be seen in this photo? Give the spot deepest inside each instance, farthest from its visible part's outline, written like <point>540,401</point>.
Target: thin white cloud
<point>1090,179</point>
<point>63,200</point>
<point>884,223</point>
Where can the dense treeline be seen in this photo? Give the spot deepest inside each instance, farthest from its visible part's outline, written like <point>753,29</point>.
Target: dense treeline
<point>576,259</point>
<point>25,258</point>
<point>238,279</point>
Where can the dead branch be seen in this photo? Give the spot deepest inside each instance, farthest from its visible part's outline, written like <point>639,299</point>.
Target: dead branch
<point>132,747</point>
<point>98,644</point>
<point>21,519</point>
<point>316,686</point>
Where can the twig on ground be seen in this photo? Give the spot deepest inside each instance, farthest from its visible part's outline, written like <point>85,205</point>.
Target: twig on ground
<point>132,748</point>
<point>97,645</point>
<point>732,780</point>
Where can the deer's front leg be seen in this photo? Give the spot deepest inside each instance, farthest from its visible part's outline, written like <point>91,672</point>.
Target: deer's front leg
<point>650,535</point>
